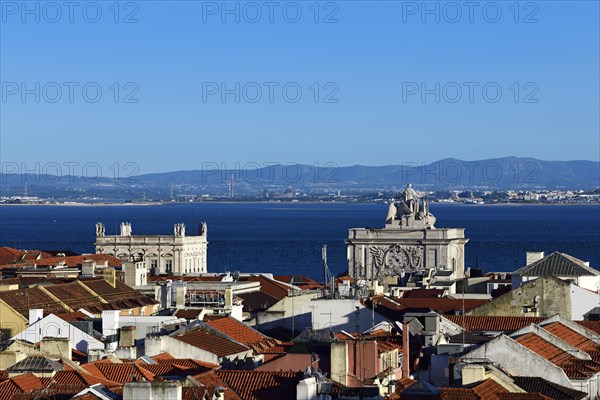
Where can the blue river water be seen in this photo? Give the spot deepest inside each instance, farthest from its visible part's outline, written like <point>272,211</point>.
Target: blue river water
<point>286,238</point>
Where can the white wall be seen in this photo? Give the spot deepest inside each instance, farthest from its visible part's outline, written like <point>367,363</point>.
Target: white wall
<point>582,301</point>
<point>53,326</point>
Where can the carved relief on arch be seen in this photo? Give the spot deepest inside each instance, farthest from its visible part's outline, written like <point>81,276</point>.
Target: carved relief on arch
<point>395,260</point>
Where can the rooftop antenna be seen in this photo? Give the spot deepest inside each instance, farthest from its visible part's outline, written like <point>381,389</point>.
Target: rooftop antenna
<point>327,273</point>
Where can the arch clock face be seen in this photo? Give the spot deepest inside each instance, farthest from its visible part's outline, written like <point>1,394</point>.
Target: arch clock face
<point>396,259</point>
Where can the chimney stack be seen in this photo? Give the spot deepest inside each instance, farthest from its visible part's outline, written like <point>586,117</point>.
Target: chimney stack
<point>35,315</point>
<point>405,351</point>
<point>533,256</point>
<point>110,276</point>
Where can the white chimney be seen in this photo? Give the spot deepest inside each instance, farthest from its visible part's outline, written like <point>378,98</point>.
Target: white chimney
<point>110,322</point>
<point>533,256</point>
<point>35,315</point>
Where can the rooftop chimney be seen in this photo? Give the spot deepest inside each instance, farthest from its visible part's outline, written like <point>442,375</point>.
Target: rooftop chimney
<point>110,324</point>
<point>56,347</point>
<point>110,276</point>
<point>405,351</point>
<point>533,256</point>
<point>35,315</point>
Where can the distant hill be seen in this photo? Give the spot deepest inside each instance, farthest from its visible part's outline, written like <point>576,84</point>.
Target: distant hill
<point>500,173</point>
<point>492,174</point>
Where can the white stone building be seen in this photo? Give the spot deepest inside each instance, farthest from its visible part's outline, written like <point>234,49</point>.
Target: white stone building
<point>409,244</point>
<point>163,254</point>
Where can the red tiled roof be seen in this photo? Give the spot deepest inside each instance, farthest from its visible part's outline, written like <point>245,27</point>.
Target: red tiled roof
<point>303,282</point>
<point>184,362</point>
<point>441,305</point>
<point>573,367</point>
<point>187,313</point>
<point>22,300</point>
<point>575,339</point>
<point>489,389</point>
<point>485,323</point>
<point>74,295</point>
<point>121,373</point>
<point>27,382</point>
<point>262,385</point>
<point>423,293</point>
<point>458,394</point>
<point>211,380</point>
<point>211,342</point>
<point>80,380</point>
<point>522,396</point>
<point>73,316</point>
<point>237,330</point>
<point>8,389</point>
<point>593,326</point>
<point>542,347</point>
<point>274,288</point>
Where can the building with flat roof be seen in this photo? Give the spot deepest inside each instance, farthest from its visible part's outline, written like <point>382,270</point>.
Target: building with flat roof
<point>177,254</point>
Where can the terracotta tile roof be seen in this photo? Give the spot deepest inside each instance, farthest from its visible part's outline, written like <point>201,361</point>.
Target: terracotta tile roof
<point>301,281</point>
<point>195,366</point>
<point>593,326</point>
<point>214,343</point>
<point>522,396</point>
<point>119,297</point>
<point>485,323</point>
<point>211,380</point>
<point>274,288</point>
<point>27,382</point>
<point>237,330</point>
<point>74,295</point>
<point>8,389</point>
<point>73,316</point>
<point>489,389</point>
<point>543,348</point>
<point>80,380</point>
<point>423,293</point>
<point>22,300</point>
<point>3,375</point>
<point>257,301</point>
<point>440,305</point>
<point>458,394</point>
<point>120,373</point>
<point>575,339</point>
<point>573,367</point>
<point>187,313</point>
<point>547,388</point>
<point>262,385</point>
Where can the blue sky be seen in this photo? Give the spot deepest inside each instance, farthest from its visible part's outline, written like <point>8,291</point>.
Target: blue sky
<point>162,67</point>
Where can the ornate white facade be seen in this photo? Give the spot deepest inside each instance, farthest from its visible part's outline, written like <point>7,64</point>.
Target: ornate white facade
<point>177,254</point>
<point>409,244</point>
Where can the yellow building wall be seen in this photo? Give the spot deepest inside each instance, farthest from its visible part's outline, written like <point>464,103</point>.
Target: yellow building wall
<point>11,322</point>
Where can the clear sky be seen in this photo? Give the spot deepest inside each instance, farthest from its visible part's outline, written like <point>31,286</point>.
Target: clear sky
<point>382,82</point>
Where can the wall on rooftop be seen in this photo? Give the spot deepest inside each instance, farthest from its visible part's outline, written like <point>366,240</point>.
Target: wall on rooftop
<point>11,322</point>
<point>178,349</point>
<point>52,326</point>
<point>554,294</point>
<point>518,359</point>
<point>582,301</point>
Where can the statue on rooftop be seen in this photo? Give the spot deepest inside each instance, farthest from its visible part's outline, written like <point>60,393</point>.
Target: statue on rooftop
<point>99,229</point>
<point>412,212</point>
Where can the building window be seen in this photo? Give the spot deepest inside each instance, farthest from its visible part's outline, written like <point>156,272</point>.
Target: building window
<point>169,265</point>
<point>153,264</point>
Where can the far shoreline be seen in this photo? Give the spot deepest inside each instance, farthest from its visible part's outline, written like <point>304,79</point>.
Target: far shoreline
<point>287,203</point>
